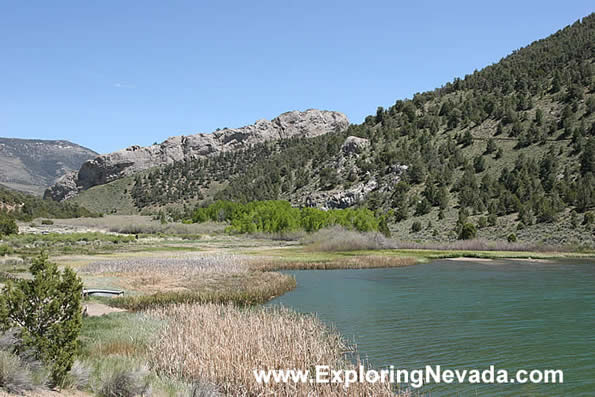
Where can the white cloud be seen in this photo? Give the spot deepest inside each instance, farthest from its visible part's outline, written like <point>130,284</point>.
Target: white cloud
<point>124,85</point>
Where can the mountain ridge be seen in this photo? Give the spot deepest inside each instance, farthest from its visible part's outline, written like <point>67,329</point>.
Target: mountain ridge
<point>110,167</point>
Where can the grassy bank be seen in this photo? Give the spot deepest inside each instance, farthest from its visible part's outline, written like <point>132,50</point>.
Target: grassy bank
<point>296,258</point>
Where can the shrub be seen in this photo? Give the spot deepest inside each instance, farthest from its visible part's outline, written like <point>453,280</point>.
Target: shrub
<point>7,225</point>
<point>47,222</point>
<point>588,218</point>
<point>15,377</point>
<point>468,232</point>
<point>416,227</point>
<point>46,312</point>
<point>124,382</point>
<point>573,219</point>
<point>277,216</point>
<point>5,249</point>
<point>78,377</point>
<point>423,207</point>
<point>511,238</point>
<point>340,239</point>
<point>492,219</point>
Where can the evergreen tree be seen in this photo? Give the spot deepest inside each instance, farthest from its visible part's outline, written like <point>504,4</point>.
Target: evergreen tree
<point>490,146</point>
<point>479,164</point>
<point>46,312</point>
<point>468,231</point>
<point>467,139</point>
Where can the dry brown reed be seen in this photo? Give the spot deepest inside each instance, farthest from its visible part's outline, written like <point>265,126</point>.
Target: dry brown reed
<point>186,265</point>
<point>241,289</point>
<point>223,344</point>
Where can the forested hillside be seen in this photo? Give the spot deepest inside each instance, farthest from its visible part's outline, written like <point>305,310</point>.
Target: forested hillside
<point>508,151</point>
<point>26,207</point>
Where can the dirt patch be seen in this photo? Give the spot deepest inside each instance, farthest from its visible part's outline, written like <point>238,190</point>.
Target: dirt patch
<point>465,259</point>
<point>99,309</point>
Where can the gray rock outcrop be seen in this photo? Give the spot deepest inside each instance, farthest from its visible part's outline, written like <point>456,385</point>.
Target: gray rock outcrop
<point>341,199</point>
<point>109,167</point>
<point>354,145</point>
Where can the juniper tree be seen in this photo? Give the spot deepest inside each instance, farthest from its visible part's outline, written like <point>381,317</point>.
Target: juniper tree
<point>490,146</point>
<point>46,314</point>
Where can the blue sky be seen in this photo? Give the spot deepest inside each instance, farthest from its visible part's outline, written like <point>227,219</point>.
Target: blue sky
<point>110,74</point>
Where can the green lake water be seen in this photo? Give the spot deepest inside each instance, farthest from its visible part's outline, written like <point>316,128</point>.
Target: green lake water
<point>464,315</point>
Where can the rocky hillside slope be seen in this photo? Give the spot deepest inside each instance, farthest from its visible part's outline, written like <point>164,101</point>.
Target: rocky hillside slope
<point>31,165</point>
<point>508,151</point>
<point>110,167</point>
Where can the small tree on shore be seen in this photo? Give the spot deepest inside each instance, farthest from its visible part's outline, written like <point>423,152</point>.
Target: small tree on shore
<point>46,313</point>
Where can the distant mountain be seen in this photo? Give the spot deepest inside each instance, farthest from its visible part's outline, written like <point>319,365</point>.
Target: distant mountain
<point>31,165</point>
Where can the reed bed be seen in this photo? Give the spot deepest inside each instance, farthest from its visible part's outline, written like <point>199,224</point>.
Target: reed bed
<point>185,265</point>
<point>223,344</point>
<point>248,289</point>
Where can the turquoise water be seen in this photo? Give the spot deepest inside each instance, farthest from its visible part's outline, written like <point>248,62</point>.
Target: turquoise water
<point>463,315</point>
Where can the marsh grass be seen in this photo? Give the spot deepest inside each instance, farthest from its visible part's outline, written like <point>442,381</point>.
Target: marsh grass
<point>253,288</point>
<point>114,347</point>
<point>186,265</point>
<point>347,262</point>
<point>121,334</point>
<point>222,344</point>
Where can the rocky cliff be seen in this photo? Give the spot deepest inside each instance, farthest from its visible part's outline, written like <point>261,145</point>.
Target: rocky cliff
<point>109,167</point>
<point>31,165</point>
